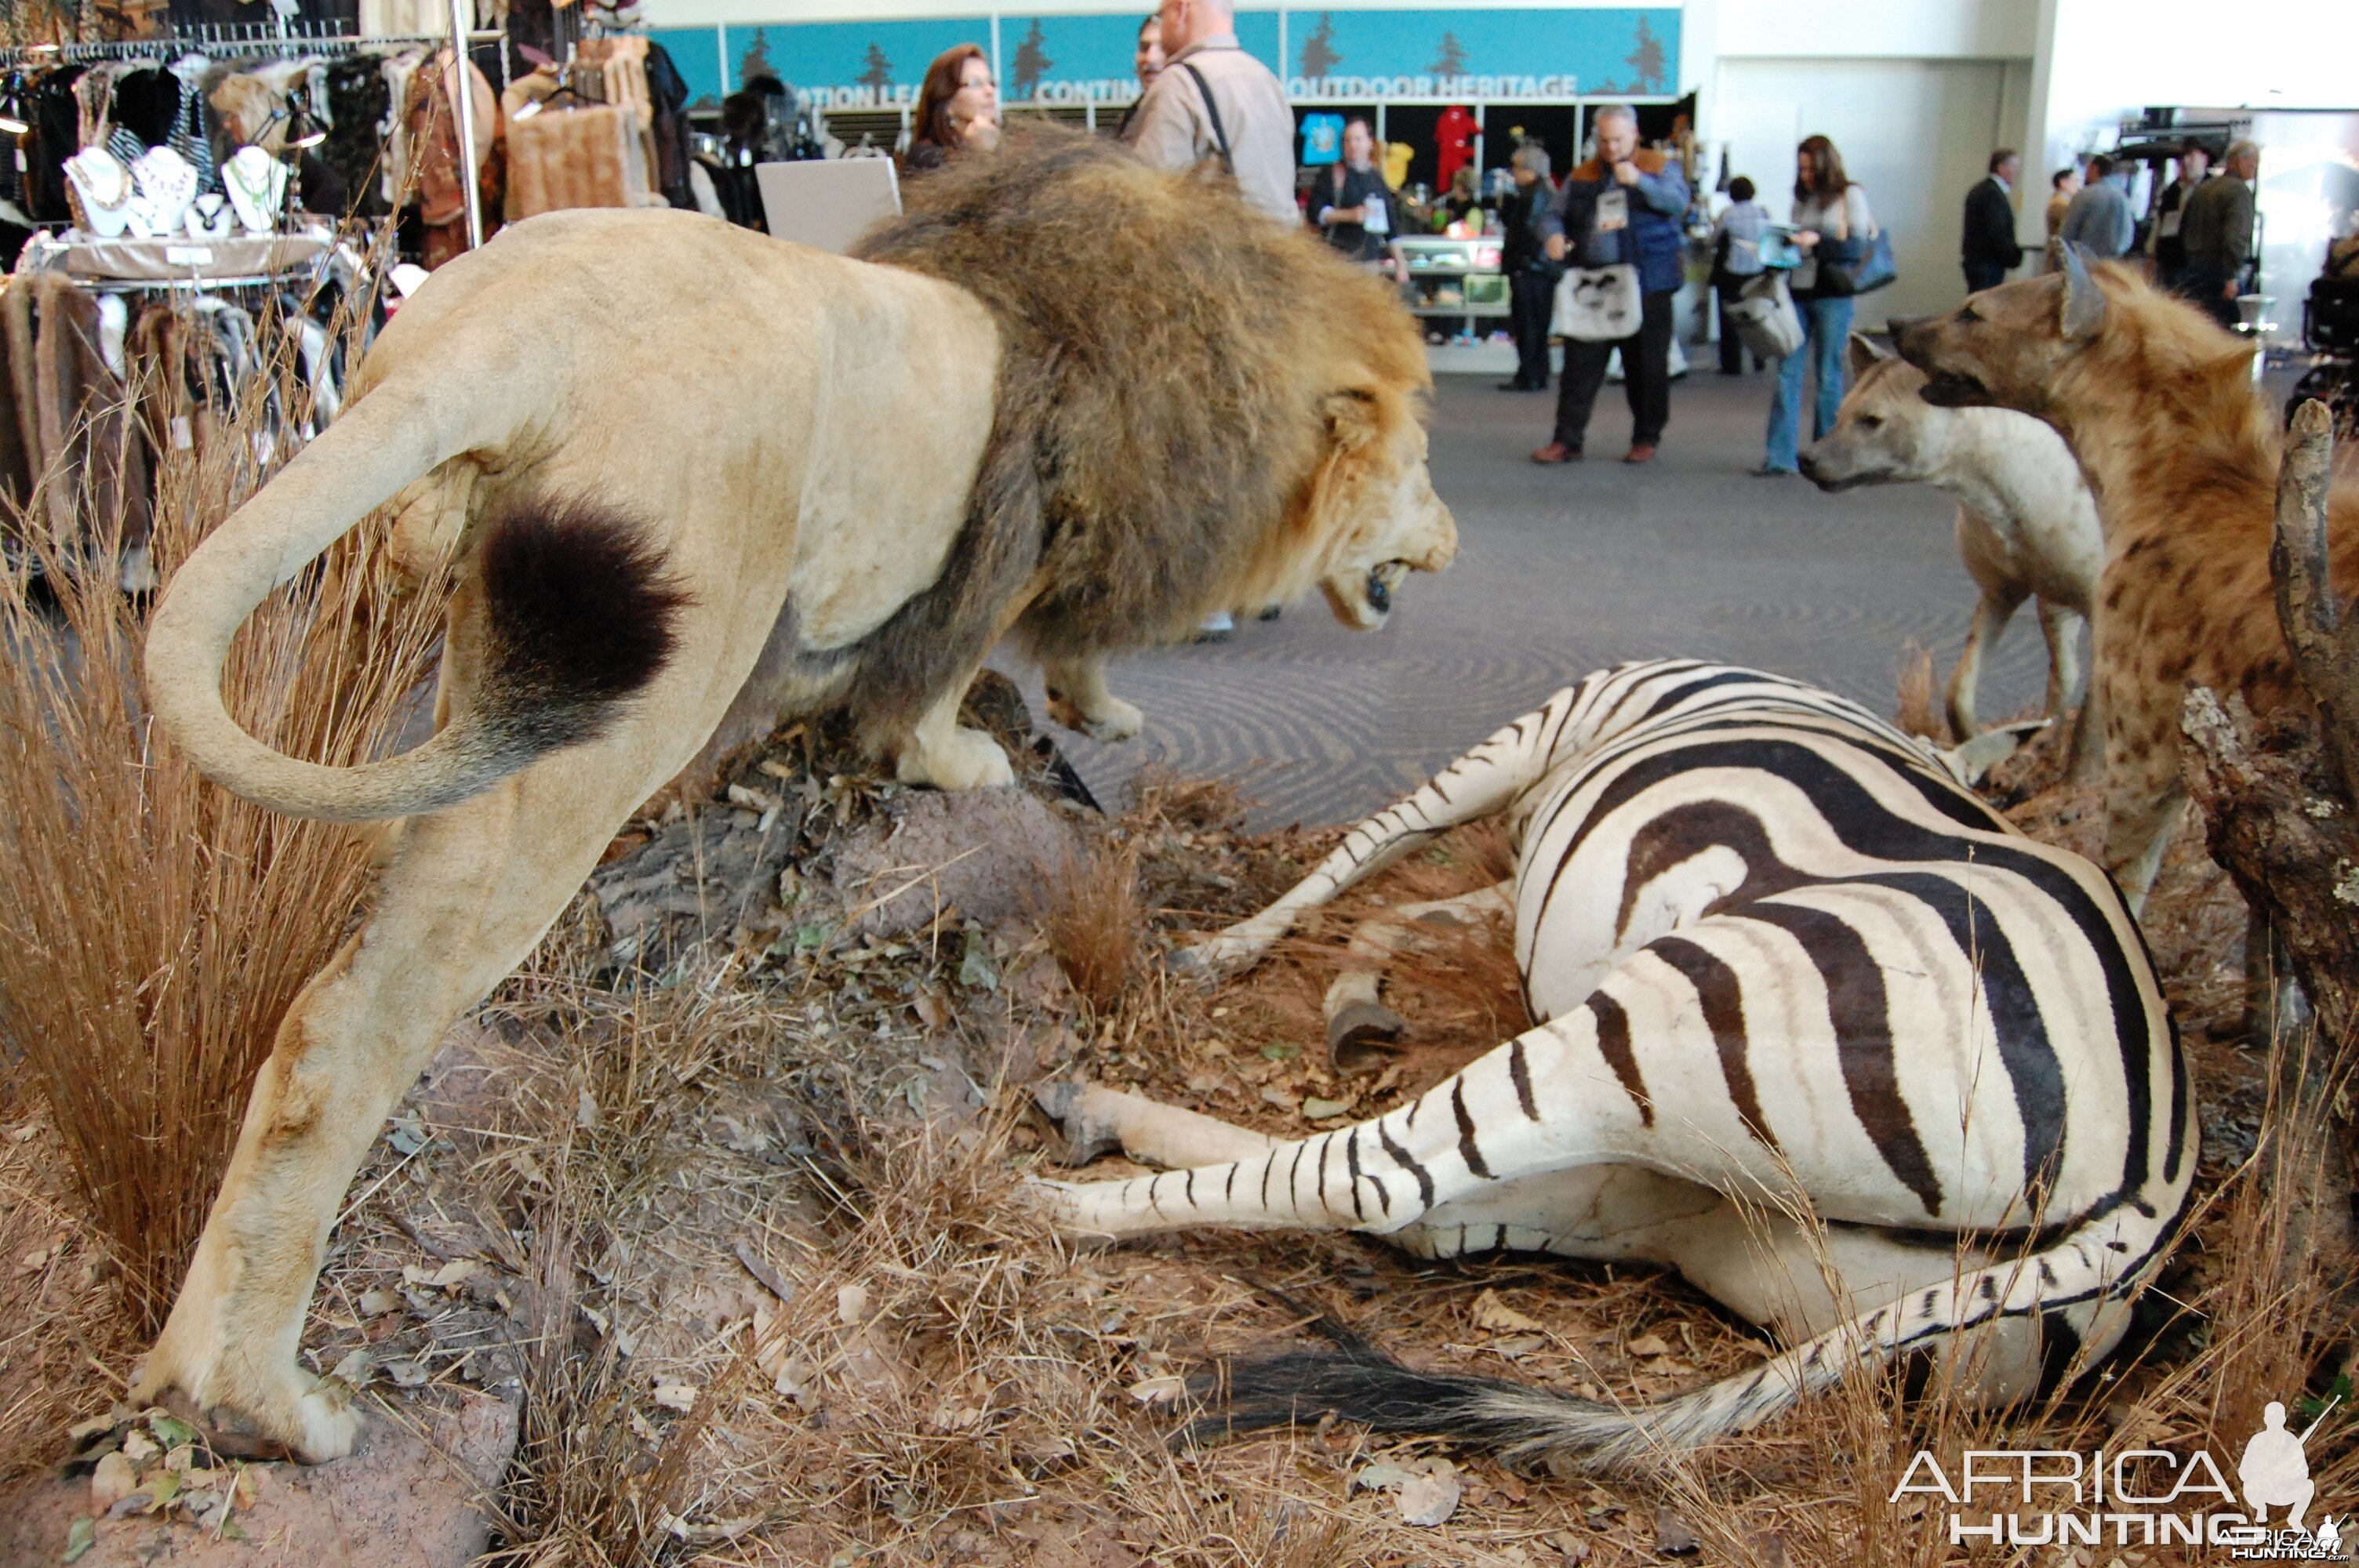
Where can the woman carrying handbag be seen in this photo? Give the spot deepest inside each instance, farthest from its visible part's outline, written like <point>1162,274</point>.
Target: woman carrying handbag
<point>1842,255</point>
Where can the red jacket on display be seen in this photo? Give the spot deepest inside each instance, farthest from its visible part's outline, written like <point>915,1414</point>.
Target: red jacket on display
<point>1453,140</point>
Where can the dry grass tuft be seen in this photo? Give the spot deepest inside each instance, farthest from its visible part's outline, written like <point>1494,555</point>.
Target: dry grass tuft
<point>157,927</point>
<point>1095,920</point>
<point>1916,710</point>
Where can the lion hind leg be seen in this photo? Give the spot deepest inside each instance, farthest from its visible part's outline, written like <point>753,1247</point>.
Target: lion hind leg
<point>940,752</point>
<point>465,895</point>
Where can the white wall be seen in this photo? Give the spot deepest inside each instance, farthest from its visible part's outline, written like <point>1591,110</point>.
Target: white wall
<point>2101,59</point>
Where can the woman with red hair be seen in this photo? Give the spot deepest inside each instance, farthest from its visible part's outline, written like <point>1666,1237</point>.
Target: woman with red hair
<point>958,108</point>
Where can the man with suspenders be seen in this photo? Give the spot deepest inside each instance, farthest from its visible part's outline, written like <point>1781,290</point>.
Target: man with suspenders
<point>1215,100</point>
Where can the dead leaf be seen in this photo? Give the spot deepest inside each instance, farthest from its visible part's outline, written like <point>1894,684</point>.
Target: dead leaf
<point>376,1304</point>
<point>1318,1110</point>
<point>1159,1390</point>
<point>113,1480</point>
<point>1496,1315</point>
<point>851,1305</point>
<point>1647,1345</point>
<point>1427,1500</point>
<point>681,1397</point>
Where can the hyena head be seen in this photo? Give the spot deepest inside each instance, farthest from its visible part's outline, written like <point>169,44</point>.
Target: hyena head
<point>1886,433</point>
<point>2005,347</point>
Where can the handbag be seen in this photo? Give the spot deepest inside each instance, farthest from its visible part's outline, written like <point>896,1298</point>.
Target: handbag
<point>1763,317</point>
<point>1597,304</point>
<point>1868,267</point>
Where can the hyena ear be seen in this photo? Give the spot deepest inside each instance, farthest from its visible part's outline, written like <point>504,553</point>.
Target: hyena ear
<point>2082,315</point>
<point>1351,416</point>
<point>1866,353</point>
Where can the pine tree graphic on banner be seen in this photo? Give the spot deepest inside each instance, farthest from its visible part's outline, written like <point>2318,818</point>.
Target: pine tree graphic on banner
<point>755,61</point>
<point>1030,64</point>
<point>1645,61</point>
<point>1449,58</point>
<point>1319,56</point>
<point>875,71</point>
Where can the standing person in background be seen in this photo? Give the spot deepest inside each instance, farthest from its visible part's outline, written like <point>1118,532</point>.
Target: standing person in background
<point>1833,226</point>
<point>1736,260</point>
<point>2218,233</point>
<point>1989,250</point>
<point>1462,198</point>
<point>1212,100</point>
<point>2098,220</point>
<point>2063,185</point>
<point>1624,206</point>
<point>1215,100</point>
<point>1148,62</point>
<point>958,109</point>
<point>1532,276</point>
<point>2170,211</point>
<point>1351,203</point>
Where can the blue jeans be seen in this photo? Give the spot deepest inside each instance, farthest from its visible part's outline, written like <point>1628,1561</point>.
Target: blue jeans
<point>1826,332</point>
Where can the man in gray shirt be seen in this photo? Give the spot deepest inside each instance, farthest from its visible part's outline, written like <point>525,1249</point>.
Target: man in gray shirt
<point>2099,221</point>
<point>1175,128</point>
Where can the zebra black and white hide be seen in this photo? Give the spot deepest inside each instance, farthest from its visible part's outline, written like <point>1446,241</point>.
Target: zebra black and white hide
<point>1818,1028</point>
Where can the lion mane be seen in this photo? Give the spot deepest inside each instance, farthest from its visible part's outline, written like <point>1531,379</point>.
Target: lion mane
<point>1160,445</point>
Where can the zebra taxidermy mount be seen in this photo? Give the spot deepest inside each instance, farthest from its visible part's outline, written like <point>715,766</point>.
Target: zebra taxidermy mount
<point>1818,1028</point>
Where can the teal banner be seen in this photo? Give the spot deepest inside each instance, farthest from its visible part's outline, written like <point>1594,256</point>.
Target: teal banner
<point>1490,55</point>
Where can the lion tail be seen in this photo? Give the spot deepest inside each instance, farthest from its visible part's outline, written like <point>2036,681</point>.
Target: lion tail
<point>578,615</point>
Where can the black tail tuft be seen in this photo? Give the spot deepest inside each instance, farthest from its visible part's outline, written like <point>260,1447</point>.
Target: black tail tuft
<point>581,614</point>
<point>1360,1383</point>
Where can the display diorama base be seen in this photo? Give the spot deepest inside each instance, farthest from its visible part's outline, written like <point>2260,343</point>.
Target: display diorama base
<point>699,1235</point>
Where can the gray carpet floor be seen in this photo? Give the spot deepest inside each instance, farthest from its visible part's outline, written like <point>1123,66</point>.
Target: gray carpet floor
<point>1559,572</point>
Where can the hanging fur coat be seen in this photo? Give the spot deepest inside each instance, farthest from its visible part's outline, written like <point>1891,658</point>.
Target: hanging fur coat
<point>84,456</point>
<point>433,147</point>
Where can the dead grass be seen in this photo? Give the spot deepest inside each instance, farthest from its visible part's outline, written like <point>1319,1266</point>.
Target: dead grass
<point>1916,709</point>
<point>157,927</point>
<point>1095,921</point>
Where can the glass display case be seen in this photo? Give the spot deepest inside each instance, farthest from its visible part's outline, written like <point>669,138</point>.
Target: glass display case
<point>1454,279</point>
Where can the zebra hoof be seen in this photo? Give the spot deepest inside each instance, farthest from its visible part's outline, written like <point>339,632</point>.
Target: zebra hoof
<point>1080,1138</point>
<point>1359,1032</point>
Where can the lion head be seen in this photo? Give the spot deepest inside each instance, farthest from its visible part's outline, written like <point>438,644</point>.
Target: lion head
<point>1199,409</point>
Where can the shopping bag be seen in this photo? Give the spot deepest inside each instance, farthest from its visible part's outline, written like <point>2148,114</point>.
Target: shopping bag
<point>1596,305</point>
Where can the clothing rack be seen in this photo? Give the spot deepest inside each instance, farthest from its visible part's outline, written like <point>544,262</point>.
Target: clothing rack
<point>246,39</point>
<point>228,39</point>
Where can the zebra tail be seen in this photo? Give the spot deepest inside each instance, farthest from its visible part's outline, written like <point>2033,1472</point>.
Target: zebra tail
<point>1523,1425</point>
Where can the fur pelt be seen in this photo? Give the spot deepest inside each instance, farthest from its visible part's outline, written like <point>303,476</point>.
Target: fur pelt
<point>571,157</point>
<point>1160,442</point>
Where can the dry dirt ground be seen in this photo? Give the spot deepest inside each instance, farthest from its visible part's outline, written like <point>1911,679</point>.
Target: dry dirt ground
<point>700,1244</point>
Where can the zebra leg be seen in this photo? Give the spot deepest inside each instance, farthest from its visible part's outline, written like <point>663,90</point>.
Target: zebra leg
<point>1382,1175</point>
<point>1095,1119</point>
<point>1351,1008</point>
<point>1484,781</point>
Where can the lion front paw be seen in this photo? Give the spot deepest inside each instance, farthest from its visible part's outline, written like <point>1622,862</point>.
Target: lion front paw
<point>966,759</point>
<point>1112,722</point>
<point>300,1417</point>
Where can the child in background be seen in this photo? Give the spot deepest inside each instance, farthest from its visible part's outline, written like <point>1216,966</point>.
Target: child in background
<point>1735,259</point>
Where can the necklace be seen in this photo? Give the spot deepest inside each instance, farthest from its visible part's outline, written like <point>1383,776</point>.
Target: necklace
<point>102,191</point>
<point>255,182</point>
<point>167,184</point>
<point>209,218</point>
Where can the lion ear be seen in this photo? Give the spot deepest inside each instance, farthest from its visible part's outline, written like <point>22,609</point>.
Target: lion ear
<point>1351,416</point>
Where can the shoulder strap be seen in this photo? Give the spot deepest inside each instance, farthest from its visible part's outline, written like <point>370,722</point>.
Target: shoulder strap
<point>1213,111</point>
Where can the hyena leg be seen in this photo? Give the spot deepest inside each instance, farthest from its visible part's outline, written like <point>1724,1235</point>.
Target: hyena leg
<point>2060,625</point>
<point>1484,781</point>
<point>1352,1006</point>
<point>1992,612</point>
<point>1078,699</point>
<point>2143,792</point>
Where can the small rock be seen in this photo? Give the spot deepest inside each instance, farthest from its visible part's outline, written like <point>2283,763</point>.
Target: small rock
<point>405,1373</point>
<point>1427,1500</point>
<point>113,1480</point>
<point>851,1305</point>
<point>138,1447</point>
<point>1318,1110</point>
<point>1673,1536</point>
